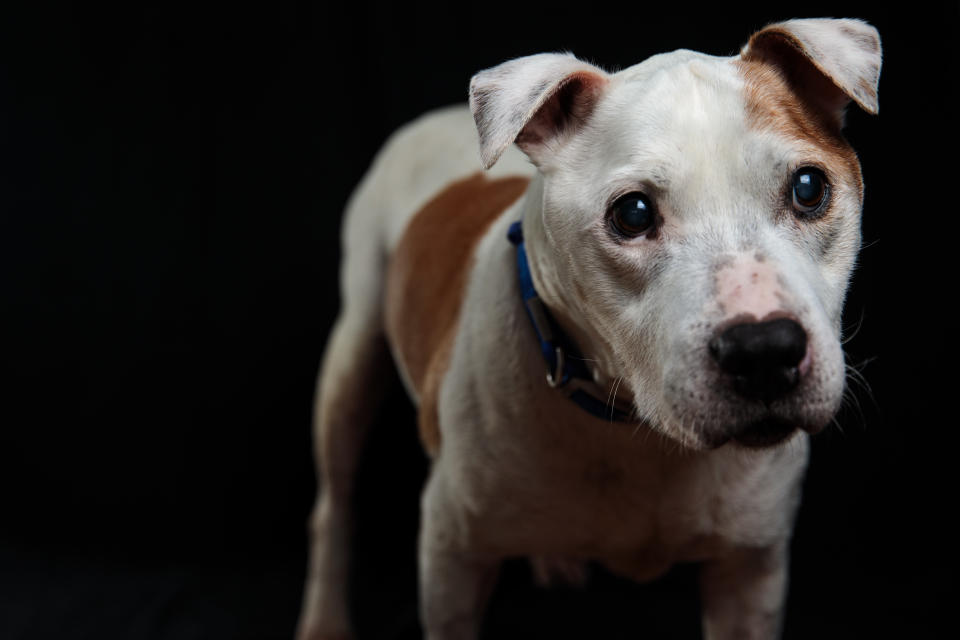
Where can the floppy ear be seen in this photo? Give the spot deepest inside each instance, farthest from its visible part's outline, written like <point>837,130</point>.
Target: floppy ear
<point>828,61</point>
<point>535,101</point>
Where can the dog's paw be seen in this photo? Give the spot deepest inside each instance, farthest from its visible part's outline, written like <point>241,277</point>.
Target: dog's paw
<point>315,630</point>
<point>317,634</point>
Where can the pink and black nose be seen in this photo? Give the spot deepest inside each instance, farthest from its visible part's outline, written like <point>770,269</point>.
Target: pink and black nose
<point>763,359</point>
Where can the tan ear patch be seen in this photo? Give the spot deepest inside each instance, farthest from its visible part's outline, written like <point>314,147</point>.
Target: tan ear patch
<point>845,53</point>
<point>426,282</point>
<point>772,104</point>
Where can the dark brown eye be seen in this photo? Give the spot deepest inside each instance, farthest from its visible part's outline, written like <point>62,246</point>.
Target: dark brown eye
<point>632,215</point>
<point>810,191</point>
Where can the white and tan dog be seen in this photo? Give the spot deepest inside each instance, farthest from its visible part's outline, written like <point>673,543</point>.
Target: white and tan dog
<point>689,226</point>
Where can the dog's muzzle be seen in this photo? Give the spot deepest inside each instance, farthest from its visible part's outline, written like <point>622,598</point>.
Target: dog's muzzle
<point>762,359</point>
<point>762,362</point>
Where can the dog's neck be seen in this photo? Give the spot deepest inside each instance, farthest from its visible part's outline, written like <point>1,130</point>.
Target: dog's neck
<point>545,282</point>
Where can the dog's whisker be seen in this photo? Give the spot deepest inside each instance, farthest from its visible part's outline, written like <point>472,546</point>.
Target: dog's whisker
<point>612,396</point>
<point>858,387</point>
<point>856,328</point>
<point>836,423</point>
<point>611,393</point>
<point>851,402</point>
<point>855,373</point>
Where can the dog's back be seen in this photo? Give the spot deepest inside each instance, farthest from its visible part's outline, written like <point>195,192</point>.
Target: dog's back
<point>419,161</point>
<point>414,165</point>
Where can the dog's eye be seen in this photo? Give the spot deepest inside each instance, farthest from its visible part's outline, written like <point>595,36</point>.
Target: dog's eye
<point>810,190</point>
<point>632,215</point>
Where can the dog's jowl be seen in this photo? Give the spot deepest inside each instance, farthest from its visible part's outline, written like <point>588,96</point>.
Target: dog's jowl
<point>616,300</point>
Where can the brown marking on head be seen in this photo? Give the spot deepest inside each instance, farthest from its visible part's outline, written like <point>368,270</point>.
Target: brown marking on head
<point>777,100</point>
<point>427,278</point>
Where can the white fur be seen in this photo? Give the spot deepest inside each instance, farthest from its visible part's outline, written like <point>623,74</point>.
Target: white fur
<point>509,95</point>
<point>522,471</point>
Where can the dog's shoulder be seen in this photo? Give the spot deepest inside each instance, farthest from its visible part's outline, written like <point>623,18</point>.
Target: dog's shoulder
<point>427,276</point>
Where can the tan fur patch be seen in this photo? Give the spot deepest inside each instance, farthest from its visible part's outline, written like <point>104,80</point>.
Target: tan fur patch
<point>426,281</point>
<point>776,102</point>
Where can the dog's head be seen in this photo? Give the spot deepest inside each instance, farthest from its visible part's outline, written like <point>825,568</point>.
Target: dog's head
<point>700,219</point>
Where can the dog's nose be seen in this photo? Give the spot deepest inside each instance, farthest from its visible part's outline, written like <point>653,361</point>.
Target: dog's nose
<point>763,358</point>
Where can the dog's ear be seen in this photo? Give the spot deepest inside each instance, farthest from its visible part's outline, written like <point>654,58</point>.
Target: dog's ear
<point>829,62</point>
<point>535,101</point>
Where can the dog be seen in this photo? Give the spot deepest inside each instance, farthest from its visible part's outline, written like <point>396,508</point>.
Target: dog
<point>620,336</point>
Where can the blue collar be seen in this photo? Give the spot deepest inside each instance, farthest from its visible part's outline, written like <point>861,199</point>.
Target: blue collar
<point>566,370</point>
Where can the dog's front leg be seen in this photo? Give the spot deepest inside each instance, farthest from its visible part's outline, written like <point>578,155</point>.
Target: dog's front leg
<point>743,594</point>
<point>455,581</point>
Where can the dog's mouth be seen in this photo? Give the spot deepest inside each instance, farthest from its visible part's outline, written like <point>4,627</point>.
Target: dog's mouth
<point>704,406</point>
<point>758,434</point>
<point>764,433</point>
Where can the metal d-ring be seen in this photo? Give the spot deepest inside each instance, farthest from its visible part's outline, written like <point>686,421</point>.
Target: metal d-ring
<point>555,377</point>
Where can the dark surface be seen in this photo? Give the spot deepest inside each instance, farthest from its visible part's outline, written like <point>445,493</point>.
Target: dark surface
<point>170,193</point>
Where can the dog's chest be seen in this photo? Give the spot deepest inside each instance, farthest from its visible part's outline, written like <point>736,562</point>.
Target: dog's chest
<point>638,511</point>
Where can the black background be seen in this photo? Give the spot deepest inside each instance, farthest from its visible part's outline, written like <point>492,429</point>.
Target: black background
<point>170,197</point>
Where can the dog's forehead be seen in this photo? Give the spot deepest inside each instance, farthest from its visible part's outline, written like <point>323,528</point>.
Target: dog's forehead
<point>675,64</point>
<point>674,105</point>
<point>683,79</point>
<point>668,120</point>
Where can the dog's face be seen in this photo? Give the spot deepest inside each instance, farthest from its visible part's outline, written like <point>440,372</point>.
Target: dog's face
<point>700,221</point>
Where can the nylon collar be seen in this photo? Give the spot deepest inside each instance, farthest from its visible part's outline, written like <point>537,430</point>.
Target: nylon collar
<point>566,370</point>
